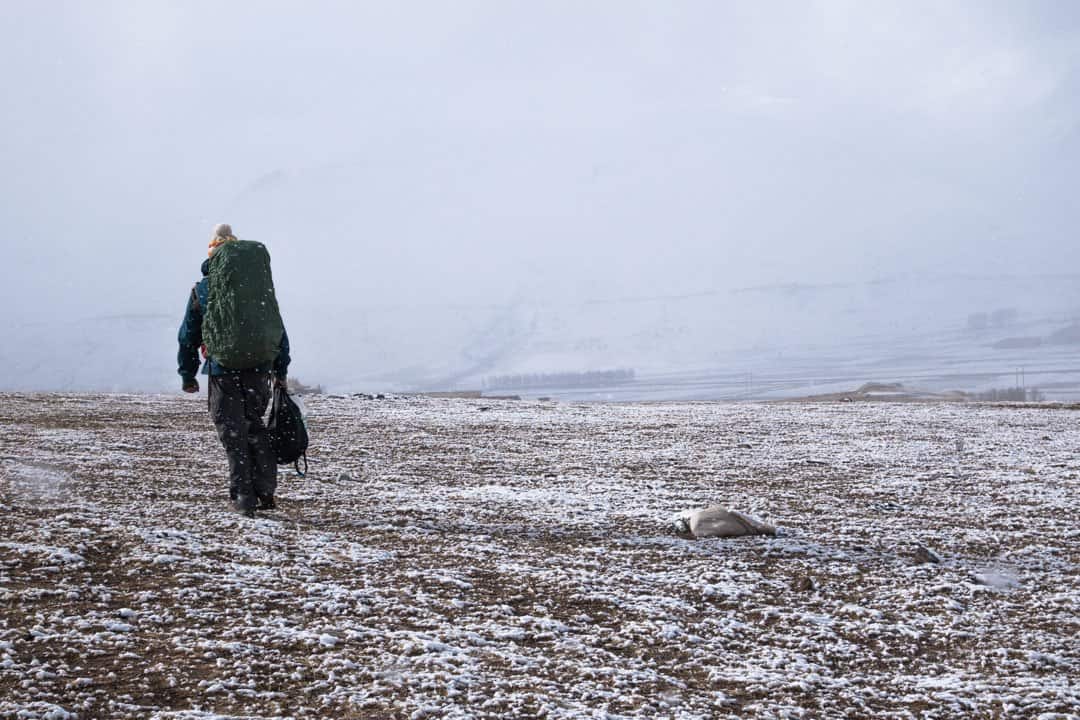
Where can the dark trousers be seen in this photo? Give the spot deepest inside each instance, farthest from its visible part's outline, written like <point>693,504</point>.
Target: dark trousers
<point>238,401</point>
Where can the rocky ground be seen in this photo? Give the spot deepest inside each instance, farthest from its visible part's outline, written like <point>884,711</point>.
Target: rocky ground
<point>500,559</point>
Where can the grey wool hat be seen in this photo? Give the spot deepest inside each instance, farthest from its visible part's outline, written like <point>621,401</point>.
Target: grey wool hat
<point>222,230</point>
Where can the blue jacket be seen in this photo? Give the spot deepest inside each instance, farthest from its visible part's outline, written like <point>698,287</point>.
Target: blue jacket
<point>190,338</point>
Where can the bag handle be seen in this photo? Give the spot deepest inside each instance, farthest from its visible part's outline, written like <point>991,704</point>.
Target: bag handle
<point>274,400</point>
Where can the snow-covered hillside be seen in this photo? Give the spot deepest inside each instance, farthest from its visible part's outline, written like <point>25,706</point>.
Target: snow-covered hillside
<point>485,559</point>
<point>776,341</point>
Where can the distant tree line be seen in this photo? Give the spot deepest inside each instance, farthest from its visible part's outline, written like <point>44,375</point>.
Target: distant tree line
<point>1069,335</point>
<point>561,379</point>
<point>1013,394</point>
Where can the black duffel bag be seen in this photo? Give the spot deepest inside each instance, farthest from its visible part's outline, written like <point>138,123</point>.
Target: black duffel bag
<point>287,431</point>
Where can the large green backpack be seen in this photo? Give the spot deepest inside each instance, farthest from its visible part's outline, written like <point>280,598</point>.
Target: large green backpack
<point>242,325</point>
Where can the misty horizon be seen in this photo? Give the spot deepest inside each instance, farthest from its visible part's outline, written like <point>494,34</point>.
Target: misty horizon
<point>489,156</point>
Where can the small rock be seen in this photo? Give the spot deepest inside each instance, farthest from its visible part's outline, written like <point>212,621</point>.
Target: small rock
<point>924,555</point>
<point>803,583</point>
<point>344,477</point>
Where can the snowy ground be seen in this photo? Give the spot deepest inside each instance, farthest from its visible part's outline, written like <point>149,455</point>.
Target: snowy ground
<point>485,559</point>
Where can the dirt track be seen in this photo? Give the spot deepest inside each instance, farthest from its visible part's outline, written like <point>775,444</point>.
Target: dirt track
<point>469,558</point>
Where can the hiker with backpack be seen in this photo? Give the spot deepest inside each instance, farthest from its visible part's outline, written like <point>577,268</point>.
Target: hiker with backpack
<point>232,316</point>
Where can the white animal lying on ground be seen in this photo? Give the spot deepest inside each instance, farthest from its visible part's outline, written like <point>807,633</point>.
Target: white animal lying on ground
<point>715,521</point>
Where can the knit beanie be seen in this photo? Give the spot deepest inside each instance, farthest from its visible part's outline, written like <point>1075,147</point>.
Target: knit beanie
<point>222,234</point>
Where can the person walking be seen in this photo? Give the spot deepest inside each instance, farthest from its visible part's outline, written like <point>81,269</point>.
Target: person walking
<point>232,317</point>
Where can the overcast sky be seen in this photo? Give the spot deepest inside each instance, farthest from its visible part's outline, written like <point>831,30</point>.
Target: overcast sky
<point>483,151</point>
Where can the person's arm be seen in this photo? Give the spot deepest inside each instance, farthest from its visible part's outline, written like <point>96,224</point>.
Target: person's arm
<point>190,338</point>
<point>281,362</point>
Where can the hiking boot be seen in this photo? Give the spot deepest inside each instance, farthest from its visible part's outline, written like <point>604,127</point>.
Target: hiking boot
<point>266,502</point>
<point>246,505</point>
